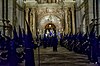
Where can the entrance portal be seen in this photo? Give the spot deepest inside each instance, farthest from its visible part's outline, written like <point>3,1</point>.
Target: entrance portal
<point>50,29</point>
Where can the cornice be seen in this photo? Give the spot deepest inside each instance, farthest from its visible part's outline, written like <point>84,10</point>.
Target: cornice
<point>51,5</point>
<point>65,3</point>
<point>30,3</point>
<point>69,3</point>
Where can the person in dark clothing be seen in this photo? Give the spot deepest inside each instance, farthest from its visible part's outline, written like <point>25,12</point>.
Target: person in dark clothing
<point>44,42</point>
<point>55,43</point>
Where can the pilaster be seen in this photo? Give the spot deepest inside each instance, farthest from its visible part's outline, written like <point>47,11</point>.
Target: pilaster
<point>27,10</point>
<point>73,20</point>
<point>66,23</point>
<point>26,18</point>
<point>34,23</point>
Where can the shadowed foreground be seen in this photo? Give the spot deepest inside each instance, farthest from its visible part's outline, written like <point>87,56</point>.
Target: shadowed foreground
<point>61,58</point>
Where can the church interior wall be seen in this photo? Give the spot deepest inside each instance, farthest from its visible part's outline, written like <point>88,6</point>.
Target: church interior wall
<point>19,15</point>
<point>1,15</point>
<point>16,15</point>
<point>80,13</point>
<point>10,11</point>
<point>90,3</point>
<point>99,16</point>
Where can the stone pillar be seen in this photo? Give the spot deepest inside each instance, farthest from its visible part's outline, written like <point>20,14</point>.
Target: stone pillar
<point>66,23</point>
<point>34,24</point>
<point>69,20</point>
<point>31,20</point>
<point>73,20</point>
<point>26,18</point>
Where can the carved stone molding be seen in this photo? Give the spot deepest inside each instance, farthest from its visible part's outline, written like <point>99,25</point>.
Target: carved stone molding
<point>30,3</point>
<point>50,19</point>
<point>59,12</point>
<point>26,10</point>
<point>41,12</point>
<point>69,3</point>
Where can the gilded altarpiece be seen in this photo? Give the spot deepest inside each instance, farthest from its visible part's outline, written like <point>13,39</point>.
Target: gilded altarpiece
<point>56,14</point>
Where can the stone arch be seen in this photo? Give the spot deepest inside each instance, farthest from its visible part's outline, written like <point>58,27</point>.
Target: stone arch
<point>49,19</point>
<point>50,25</point>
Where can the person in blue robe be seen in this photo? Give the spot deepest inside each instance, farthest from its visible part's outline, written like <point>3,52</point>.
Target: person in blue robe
<point>55,43</point>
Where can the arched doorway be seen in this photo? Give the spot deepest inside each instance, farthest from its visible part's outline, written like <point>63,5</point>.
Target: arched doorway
<point>50,29</point>
<point>49,23</point>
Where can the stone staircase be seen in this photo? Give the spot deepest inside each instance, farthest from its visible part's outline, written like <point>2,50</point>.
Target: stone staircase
<point>62,57</point>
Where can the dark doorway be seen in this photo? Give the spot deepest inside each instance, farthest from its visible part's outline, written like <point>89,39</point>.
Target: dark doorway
<point>50,29</point>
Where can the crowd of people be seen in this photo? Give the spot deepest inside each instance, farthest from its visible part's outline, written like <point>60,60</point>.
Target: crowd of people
<point>21,47</point>
<point>50,41</point>
<point>18,49</point>
<point>87,44</point>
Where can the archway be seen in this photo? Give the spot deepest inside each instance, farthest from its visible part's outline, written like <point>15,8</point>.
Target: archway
<point>48,20</point>
<point>50,29</point>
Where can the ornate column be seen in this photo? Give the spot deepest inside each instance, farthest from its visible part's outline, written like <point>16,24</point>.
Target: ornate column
<point>34,24</point>
<point>26,18</point>
<point>27,10</point>
<point>73,20</point>
<point>69,20</point>
<point>66,23</point>
<point>31,20</point>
